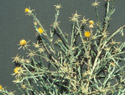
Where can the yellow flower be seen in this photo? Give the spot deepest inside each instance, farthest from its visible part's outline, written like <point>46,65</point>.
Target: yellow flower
<point>18,70</point>
<point>23,42</point>
<point>91,22</point>
<point>27,10</point>
<point>40,30</point>
<point>87,34</point>
<point>1,87</point>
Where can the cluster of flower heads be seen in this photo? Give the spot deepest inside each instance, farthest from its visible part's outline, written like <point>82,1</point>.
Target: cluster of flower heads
<point>74,18</point>
<point>29,12</point>
<point>84,21</point>
<point>19,70</point>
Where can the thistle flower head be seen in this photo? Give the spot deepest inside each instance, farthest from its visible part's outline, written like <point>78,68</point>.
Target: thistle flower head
<point>31,53</point>
<point>28,11</point>
<point>18,71</point>
<point>75,17</point>
<point>95,4</point>
<point>91,22</point>
<point>23,44</point>
<point>23,86</point>
<point>1,87</point>
<point>91,26</point>
<point>84,20</point>
<point>55,25</point>
<point>28,61</point>
<point>58,6</point>
<point>40,30</point>
<point>41,50</point>
<point>87,34</point>
<point>22,60</point>
<point>16,58</point>
<point>36,45</point>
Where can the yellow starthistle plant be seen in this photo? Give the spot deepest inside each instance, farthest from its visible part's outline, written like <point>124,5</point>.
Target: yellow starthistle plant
<point>79,60</point>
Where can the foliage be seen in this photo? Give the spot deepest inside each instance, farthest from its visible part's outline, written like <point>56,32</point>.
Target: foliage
<point>85,62</point>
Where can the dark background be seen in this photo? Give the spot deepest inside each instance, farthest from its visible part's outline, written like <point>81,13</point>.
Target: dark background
<point>15,25</point>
